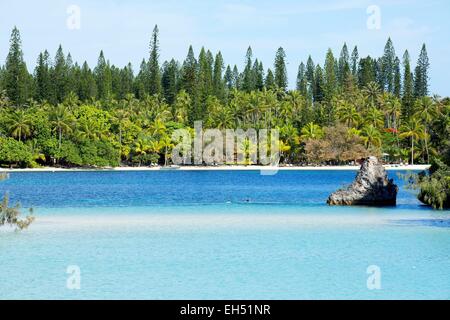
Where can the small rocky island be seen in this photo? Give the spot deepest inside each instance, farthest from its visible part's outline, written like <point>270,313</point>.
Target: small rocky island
<point>370,188</point>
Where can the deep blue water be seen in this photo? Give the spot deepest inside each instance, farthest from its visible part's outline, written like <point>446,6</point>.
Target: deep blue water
<point>115,189</point>
<point>217,235</point>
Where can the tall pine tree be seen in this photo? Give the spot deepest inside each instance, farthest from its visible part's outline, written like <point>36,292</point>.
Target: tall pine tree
<point>87,85</point>
<point>397,78</point>
<point>301,79</point>
<point>16,78</point>
<point>42,77</point>
<point>154,85</point>
<point>355,62</point>
<point>103,77</point>
<point>281,79</point>
<point>421,74</point>
<point>189,73</point>
<point>248,77</point>
<point>170,81</point>
<point>344,66</point>
<point>408,86</point>
<point>330,76</point>
<point>218,83</point>
<point>388,67</point>
<point>270,80</point>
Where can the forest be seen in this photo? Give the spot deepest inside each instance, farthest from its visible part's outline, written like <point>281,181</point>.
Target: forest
<point>66,114</point>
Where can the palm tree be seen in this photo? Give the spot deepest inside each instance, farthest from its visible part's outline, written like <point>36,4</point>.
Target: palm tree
<point>61,120</point>
<point>427,111</point>
<point>71,100</point>
<point>371,136</point>
<point>181,107</point>
<point>158,128</point>
<point>348,114</point>
<point>141,147</point>
<point>413,130</point>
<point>19,124</point>
<point>36,152</point>
<point>223,119</point>
<point>167,144</point>
<point>290,137</point>
<point>394,112</point>
<point>88,131</point>
<point>371,92</point>
<point>374,117</point>
<point>297,101</point>
<point>121,117</point>
<point>311,131</point>
<point>247,148</point>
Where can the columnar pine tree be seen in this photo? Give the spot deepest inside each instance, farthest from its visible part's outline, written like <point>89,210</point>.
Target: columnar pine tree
<point>71,75</point>
<point>270,80</point>
<point>310,69</point>
<point>16,78</point>
<point>397,78</point>
<point>204,84</point>
<point>228,78</point>
<point>330,76</point>
<point>258,71</point>
<point>355,61</point>
<point>301,79</point>
<point>115,81</point>
<point>248,77</point>
<point>236,78</point>
<point>142,80</point>
<point>319,86</point>
<point>126,81</point>
<point>380,77</point>
<point>344,66</point>
<point>154,85</point>
<point>170,80</point>
<point>42,77</point>
<point>388,67</point>
<point>218,82</point>
<point>281,80</point>
<point>60,76</point>
<point>87,88</point>
<point>189,73</point>
<point>103,77</point>
<point>421,74</point>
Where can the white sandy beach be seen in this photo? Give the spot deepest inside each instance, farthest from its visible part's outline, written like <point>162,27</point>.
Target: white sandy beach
<point>221,168</point>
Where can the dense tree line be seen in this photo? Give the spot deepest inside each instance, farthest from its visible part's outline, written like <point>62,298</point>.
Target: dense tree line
<point>206,75</point>
<point>72,115</point>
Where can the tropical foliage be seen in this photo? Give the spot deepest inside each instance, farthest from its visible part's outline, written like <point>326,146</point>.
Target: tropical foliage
<point>66,114</point>
<point>434,185</point>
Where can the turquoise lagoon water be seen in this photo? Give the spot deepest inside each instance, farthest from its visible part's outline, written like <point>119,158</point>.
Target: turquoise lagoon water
<point>217,235</point>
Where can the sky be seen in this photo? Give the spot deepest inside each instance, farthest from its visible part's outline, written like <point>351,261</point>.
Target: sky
<point>303,27</point>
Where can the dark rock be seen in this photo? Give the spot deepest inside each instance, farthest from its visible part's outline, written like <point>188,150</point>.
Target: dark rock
<point>371,188</point>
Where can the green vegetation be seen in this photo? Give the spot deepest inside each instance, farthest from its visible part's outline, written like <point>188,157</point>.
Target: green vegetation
<point>434,185</point>
<point>66,114</point>
<point>10,215</point>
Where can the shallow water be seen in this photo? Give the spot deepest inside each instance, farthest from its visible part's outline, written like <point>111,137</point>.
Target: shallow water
<point>217,235</point>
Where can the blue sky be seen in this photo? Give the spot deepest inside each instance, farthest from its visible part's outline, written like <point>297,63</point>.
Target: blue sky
<point>123,28</point>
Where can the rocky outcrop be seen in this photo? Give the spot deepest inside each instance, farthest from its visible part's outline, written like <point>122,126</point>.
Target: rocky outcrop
<point>371,188</point>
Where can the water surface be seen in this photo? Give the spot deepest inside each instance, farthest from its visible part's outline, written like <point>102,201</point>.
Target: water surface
<point>217,235</point>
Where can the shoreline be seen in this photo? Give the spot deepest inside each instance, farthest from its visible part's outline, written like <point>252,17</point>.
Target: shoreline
<point>217,168</point>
